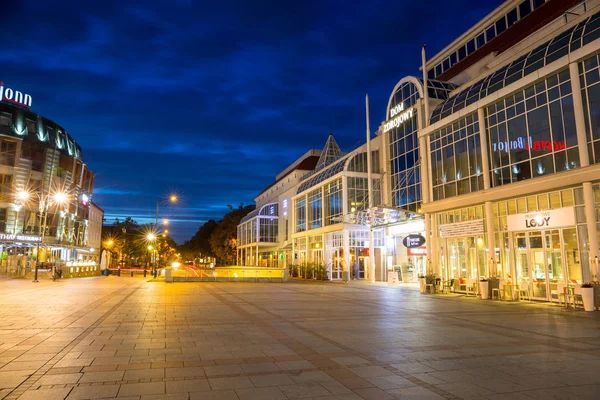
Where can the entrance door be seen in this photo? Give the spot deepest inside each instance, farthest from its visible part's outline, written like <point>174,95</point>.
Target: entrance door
<point>336,265</point>
<point>537,262</point>
<point>361,267</point>
<point>539,259</point>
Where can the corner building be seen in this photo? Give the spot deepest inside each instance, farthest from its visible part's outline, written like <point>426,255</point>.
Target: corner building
<point>509,147</point>
<point>39,157</point>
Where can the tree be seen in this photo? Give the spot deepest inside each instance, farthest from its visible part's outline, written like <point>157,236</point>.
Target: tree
<point>223,240</point>
<point>199,244</point>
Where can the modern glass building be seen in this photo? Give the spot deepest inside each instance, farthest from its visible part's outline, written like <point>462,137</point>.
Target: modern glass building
<point>508,147</point>
<point>263,236</point>
<point>45,193</point>
<point>316,212</point>
<point>330,211</point>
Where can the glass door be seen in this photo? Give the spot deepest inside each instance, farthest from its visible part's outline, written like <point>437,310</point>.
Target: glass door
<point>521,262</point>
<point>554,255</point>
<point>336,265</point>
<point>537,261</point>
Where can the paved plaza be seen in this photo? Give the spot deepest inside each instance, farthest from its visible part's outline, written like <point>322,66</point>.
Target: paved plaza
<point>126,338</point>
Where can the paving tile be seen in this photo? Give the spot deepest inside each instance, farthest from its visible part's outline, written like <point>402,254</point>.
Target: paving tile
<point>302,390</point>
<point>109,376</point>
<point>94,392</point>
<point>185,372</point>
<point>264,393</point>
<point>188,385</point>
<point>240,382</point>
<point>371,371</point>
<point>45,394</point>
<point>58,379</point>
<point>142,389</point>
<point>214,395</point>
<point>222,370</point>
<point>271,380</point>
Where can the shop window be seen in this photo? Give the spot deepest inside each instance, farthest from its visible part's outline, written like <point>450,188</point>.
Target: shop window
<point>8,149</point>
<point>3,219</point>
<point>567,197</point>
<point>6,187</point>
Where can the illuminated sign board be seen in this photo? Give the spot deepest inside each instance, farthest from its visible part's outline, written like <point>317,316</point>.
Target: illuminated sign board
<point>413,241</point>
<point>417,251</point>
<point>557,218</point>
<point>20,238</point>
<point>398,117</point>
<point>85,200</point>
<point>529,144</point>
<point>14,96</point>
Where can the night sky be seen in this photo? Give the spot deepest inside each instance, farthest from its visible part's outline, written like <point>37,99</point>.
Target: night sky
<point>212,99</point>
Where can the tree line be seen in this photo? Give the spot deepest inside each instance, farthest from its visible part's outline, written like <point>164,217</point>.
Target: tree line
<point>217,239</point>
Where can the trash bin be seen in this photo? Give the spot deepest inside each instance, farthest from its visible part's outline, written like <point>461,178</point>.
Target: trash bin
<point>168,275</point>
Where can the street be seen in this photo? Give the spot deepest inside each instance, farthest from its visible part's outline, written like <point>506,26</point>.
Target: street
<point>109,337</point>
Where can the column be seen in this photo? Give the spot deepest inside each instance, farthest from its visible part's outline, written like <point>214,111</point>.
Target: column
<point>488,212</point>
<point>436,264</point>
<point>428,245</point>
<point>584,158</point>
<point>347,267</point>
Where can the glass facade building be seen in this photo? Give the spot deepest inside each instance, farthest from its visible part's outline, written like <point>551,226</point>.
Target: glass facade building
<point>512,173</point>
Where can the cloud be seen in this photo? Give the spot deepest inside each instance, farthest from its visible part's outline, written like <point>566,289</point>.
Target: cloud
<point>214,99</point>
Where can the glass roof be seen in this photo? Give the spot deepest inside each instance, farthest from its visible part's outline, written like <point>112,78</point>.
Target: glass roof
<point>315,179</point>
<point>561,45</point>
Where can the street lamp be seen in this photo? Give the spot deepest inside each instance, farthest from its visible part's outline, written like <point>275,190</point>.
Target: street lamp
<point>151,237</point>
<point>44,202</point>
<point>172,199</point>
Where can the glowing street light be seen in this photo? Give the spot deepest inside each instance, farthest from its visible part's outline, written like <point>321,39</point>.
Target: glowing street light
<point>165,221</point>
<point>60,197</point>
<point>173,198</point>
<point>23,195</point>
<point>151,236</point>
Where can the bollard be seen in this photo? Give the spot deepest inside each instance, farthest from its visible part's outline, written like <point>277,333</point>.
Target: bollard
<point>145,273</point>
<point>119,272</point>
<point>132,273</point>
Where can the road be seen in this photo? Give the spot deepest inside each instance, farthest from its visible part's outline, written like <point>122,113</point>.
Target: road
<point>128,338</point>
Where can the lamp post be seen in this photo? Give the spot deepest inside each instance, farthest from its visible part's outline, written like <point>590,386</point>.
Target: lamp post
<point>151,237</point>
<point>57,198</point>
<point>172,199</point>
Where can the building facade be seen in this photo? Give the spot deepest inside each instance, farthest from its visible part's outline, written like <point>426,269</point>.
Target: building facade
<point>263,237</point>
<point>45,192</point>
<point>317,212</point>
<point>509,147</point>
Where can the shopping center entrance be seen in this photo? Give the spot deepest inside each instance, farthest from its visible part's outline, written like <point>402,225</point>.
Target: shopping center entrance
<point>546,260</point>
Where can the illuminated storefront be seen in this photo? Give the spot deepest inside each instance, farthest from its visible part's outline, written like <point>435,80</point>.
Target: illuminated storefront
<point>512,172</point>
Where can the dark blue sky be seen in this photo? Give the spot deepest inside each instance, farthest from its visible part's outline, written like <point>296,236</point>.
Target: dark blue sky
<point>213,99</point>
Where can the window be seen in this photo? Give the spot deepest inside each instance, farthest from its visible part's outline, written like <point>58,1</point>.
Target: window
<point>532,133</point>
<point>5,119</point>
<point>315,209</point>
<point>333,202</point>
<point>5,185</point>
<point>301,214</point>
<point>8,149</point>
<point>525,8</point>
<point>456,159</point>
<point>3,219</point>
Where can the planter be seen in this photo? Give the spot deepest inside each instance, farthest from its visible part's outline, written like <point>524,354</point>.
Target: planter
<point>422,285</point>
<point>484,290</point>
<point>587,295</point>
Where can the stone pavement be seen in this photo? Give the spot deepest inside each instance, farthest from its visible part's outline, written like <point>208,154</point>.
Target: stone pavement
<point>110,337</point>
